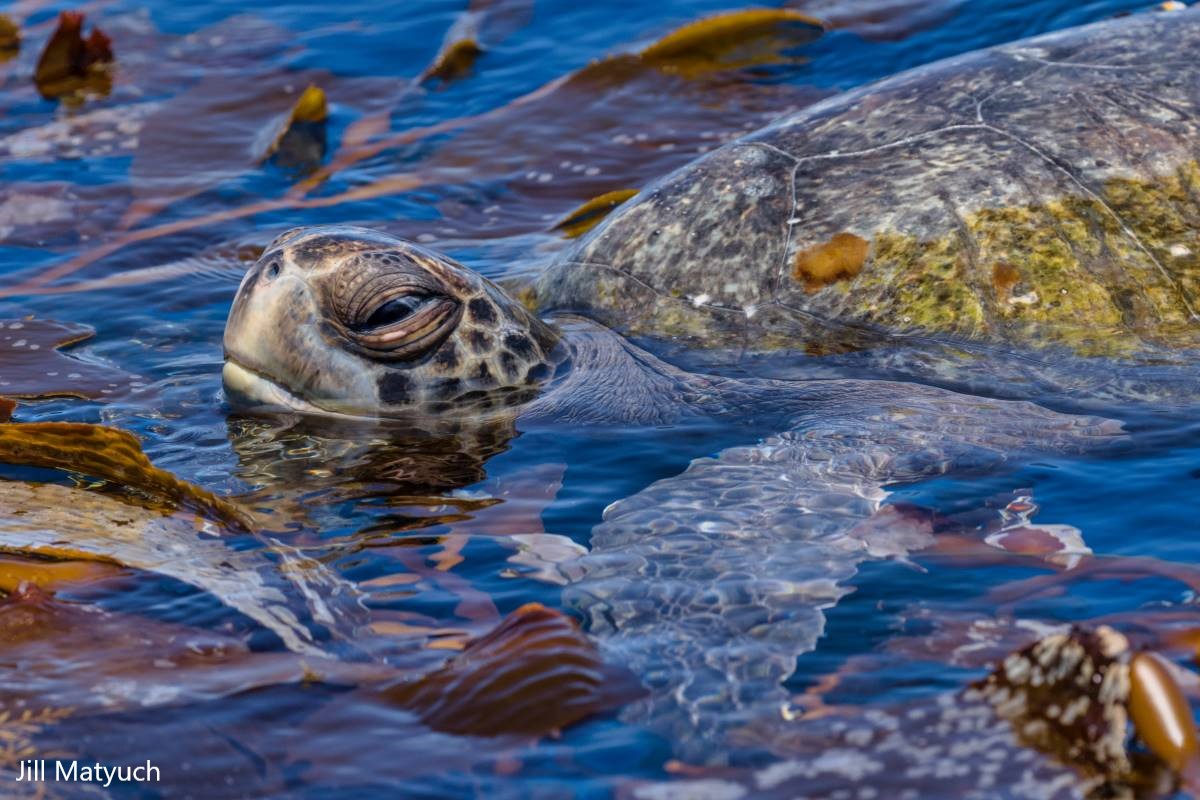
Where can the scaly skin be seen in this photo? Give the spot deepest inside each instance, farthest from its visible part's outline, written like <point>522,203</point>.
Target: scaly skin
<point>1041,193</point>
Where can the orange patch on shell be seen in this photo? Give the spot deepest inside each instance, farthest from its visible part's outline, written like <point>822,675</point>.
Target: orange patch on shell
<point>1004,277</point>
<point>841,258</point>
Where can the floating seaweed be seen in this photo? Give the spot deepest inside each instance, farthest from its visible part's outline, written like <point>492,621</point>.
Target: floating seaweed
<point>484,22</point>
<point>669,79</point>
<point>591,213</point>
<point>112,455</point>
<point>734,40</point>
<point>89,658</point>
<point>10,38</point>
<point>34,365</point>
<point>270,585</point>
<point>71,64</point>
<point>300,144</point>
<point>17,572</point>
<point>533,675</point>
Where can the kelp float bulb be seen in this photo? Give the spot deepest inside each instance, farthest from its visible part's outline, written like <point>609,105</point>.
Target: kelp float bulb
<point>10,38</point>
<point>1161,715</point>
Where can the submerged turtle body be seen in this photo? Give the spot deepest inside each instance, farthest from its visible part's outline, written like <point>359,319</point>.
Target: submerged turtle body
<point>1035,194</point>
<point>1043,192</point>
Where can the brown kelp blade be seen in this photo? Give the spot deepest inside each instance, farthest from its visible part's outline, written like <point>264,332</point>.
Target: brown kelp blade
<point>735,40</point>
<point>10,38</point>
<point>592,213</point>
<point>94,659</point>
<point>714,44</point>
<point>468,37</point>
<point>51,575</point>
<point>32,365</point>
<point>576,114</point>
<point>70,62</point>
<point>268,585</point>
<point>300,141</point>
<point>534,674</point>
<point>112,455</point>
<point>453,61</point>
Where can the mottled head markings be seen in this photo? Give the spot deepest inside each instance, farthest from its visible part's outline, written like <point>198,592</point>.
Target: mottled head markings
<point>840,258</point>
<point>353,321</point>
<point>482,311</point>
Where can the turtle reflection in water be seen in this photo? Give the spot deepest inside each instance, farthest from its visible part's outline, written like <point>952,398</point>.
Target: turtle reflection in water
<point>1036,200</point>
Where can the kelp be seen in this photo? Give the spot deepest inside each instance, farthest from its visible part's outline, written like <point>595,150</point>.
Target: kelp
<point>671,82</point>
<point>187,135</point>
<point>300,143</point>
<point>533,675</point>
<point>51,575</point>
<point>1082,689</point>
<point>704,47</point>
<point>483,23</point>
<point>72,64</point>
<point>225,262</point>
<point>112,455</point>
<point>10,38</point>
<point>734,40</point>
<point>32,364</point>
<point>1083,675</point>
<point>92,659</point>
<point>310,732</point>
<point>592,213</point>
<point>271,117</point>
<point>1123,568</point>
<point>269,584</point>
<point>453,61</point>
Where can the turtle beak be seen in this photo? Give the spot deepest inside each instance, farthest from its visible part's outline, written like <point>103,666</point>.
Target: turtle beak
<point>277,353</point>
<point>246,389</point>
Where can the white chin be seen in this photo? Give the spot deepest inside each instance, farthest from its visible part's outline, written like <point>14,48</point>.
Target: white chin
<point>245,388</point>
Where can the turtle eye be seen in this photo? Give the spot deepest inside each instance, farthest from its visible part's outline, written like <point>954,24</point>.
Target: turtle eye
<point>393,311</point>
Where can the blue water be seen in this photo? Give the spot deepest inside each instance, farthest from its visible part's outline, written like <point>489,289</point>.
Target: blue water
<point>373,506</point>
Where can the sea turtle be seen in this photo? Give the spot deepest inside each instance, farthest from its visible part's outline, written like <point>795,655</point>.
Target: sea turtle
<point>1037,197</point>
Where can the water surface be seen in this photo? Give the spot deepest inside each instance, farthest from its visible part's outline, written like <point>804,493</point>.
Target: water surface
<point>411,518</point>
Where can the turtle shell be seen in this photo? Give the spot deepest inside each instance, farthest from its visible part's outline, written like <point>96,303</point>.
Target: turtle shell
<point>1042,192</point>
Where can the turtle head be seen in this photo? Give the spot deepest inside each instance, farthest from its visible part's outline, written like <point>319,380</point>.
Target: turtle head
<point>354,321</point>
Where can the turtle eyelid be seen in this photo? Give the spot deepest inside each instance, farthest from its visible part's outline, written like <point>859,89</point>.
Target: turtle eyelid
<point>394,310</point>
